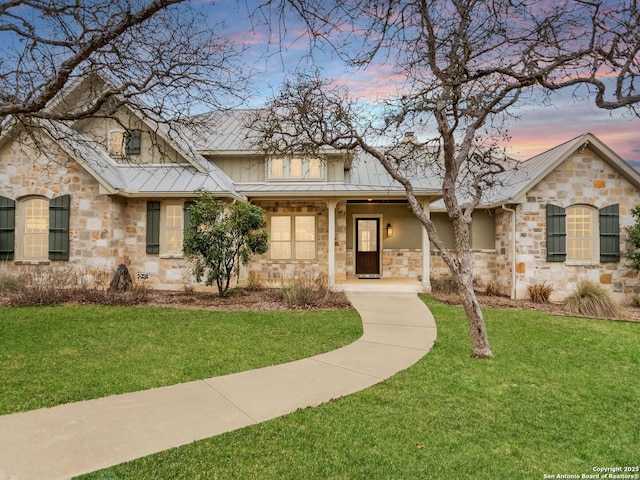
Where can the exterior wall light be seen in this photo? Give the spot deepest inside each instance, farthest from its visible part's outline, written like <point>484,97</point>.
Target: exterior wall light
<point>389,230</point>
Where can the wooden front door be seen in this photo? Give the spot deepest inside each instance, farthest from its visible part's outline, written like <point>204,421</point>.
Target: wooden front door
<point>367,246</point>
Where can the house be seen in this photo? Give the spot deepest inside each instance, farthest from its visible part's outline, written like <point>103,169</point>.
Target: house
<point>561,218</point>
<point>115,191</point>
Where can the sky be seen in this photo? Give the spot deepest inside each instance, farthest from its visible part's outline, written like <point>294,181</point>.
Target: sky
<point>538,128</point>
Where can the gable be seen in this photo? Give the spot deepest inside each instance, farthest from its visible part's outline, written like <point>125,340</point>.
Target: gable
<point>584,177</point>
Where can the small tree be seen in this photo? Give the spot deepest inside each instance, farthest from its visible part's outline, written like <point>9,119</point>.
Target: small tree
<point>221,237</point>
<point>633,239</point>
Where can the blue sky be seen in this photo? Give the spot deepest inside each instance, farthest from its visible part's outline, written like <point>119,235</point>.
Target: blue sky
<point>539,127</point>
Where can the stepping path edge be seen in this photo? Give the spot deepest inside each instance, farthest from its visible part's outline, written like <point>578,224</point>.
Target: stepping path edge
<point>72,439</point>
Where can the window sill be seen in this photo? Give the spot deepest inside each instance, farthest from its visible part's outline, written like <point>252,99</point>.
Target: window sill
<point>589,263</point>
<point>171,255</point>
<point>32,262</point>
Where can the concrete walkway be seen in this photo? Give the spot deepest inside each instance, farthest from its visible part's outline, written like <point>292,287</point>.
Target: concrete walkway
<point>68,440</point>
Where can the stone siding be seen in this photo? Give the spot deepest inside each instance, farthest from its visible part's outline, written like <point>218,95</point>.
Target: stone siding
<point>396,263</point>
<point>274,272</point>
<point>104,230</point>
<point>96,229</point>
<point>583,179</point>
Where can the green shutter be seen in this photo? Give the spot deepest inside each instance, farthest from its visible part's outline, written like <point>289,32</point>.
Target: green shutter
<point>132,142</point>
<point>610,234</point>
<point>187,213</point>
<point>7,228</point>
<point>153,227</point>
<point>59,208</point>
<point>556,234</point>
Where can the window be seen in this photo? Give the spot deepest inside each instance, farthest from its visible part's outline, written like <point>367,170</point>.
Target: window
<point>277,168</point>
<point>165,227</point>
<point>174,225</point>
<point>581,234</point>
<point>124,143</point>
<point>580,242</point>
<point>293,237</point>
<point>35,232</point>
<point>295,169</point>
<point>116,143</point>
<point>35,228</point>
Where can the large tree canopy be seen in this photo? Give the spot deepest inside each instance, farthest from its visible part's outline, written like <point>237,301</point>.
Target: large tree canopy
<point>463,67</point>
<point>161,52</point>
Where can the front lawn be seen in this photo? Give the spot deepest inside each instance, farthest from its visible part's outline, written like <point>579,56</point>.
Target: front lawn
<point>560,398</point>
<point>55,355</point>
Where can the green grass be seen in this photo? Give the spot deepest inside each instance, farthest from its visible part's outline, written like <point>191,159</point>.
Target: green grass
<point>55,355</point>
<point>561,397</point>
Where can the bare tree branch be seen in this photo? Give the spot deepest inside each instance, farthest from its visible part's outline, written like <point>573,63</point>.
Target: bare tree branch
<point>464,65</point>
<point>159,53</point>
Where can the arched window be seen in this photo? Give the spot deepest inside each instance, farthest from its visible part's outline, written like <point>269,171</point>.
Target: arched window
<point>35,233</point>
<point>582,238</point>
<point>583,234</point>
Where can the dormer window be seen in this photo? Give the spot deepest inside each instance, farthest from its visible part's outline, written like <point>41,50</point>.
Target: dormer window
<point>124,142</point>
<point>295,168</point>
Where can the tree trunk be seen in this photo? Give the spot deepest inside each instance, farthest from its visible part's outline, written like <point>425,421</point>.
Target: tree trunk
<point>480,342</point>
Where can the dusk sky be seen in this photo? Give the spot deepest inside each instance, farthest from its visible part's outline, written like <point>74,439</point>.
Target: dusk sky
<point>538,129</point>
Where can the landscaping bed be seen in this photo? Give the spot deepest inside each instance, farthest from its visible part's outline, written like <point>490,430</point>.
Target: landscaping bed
<point>629,313</point>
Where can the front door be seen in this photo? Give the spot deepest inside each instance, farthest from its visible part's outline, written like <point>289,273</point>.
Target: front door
<point>367,246</point>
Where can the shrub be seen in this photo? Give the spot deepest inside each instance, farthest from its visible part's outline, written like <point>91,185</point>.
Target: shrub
<point>635,301</point>
<point>54,285</point>
<point>494,288</point>
<point>46,285</point>
<point>137,295</point>
<point>540,292</point>
<point>310,289</point>
<point>444,285</point>
<point>8,283</point>
<point>253,283</point>
<point>592,300</point>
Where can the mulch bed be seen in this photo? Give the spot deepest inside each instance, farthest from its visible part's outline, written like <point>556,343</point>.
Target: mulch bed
<point>630,314</point>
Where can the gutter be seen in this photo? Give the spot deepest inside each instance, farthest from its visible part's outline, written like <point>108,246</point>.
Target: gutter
<point>513,250</point>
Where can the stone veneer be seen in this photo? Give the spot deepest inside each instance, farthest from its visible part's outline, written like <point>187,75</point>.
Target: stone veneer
<point>274,272</point>
<point>396,263</point>
<point>104,230</point>
<point>583,179</point>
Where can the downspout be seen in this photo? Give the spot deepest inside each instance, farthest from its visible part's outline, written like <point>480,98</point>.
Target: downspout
<point>513,250</point>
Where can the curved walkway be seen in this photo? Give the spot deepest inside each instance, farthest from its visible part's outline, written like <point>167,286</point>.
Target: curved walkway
<point>68,440</point>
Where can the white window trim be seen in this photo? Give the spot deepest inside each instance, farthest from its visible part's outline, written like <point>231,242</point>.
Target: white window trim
<point>292,226</point>
<point>286,175</point>
<point>595,236</point>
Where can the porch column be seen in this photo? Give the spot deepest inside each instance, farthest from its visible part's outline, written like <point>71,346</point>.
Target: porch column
<point>331,204</point>
<point>426,250</point>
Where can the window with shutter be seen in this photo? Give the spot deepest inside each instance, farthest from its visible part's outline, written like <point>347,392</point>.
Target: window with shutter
<point>7,228</point>
<point>133,142</point>
<point>59,209</point>
<point>610,234</point>
<point>556,234</point>
<point>153,227</point>
<point>581,234</point>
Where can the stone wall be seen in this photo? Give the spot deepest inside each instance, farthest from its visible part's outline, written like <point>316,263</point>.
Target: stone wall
<point>396,263</point>
<point>274,272</point>
<point>584,179</point>
<point>104,230</point>
<point>96,221</point>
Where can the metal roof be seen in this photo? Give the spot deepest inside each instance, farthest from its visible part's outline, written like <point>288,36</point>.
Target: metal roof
<point>514,184</point>
<point>145,179</point>
<point>224,131</point>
